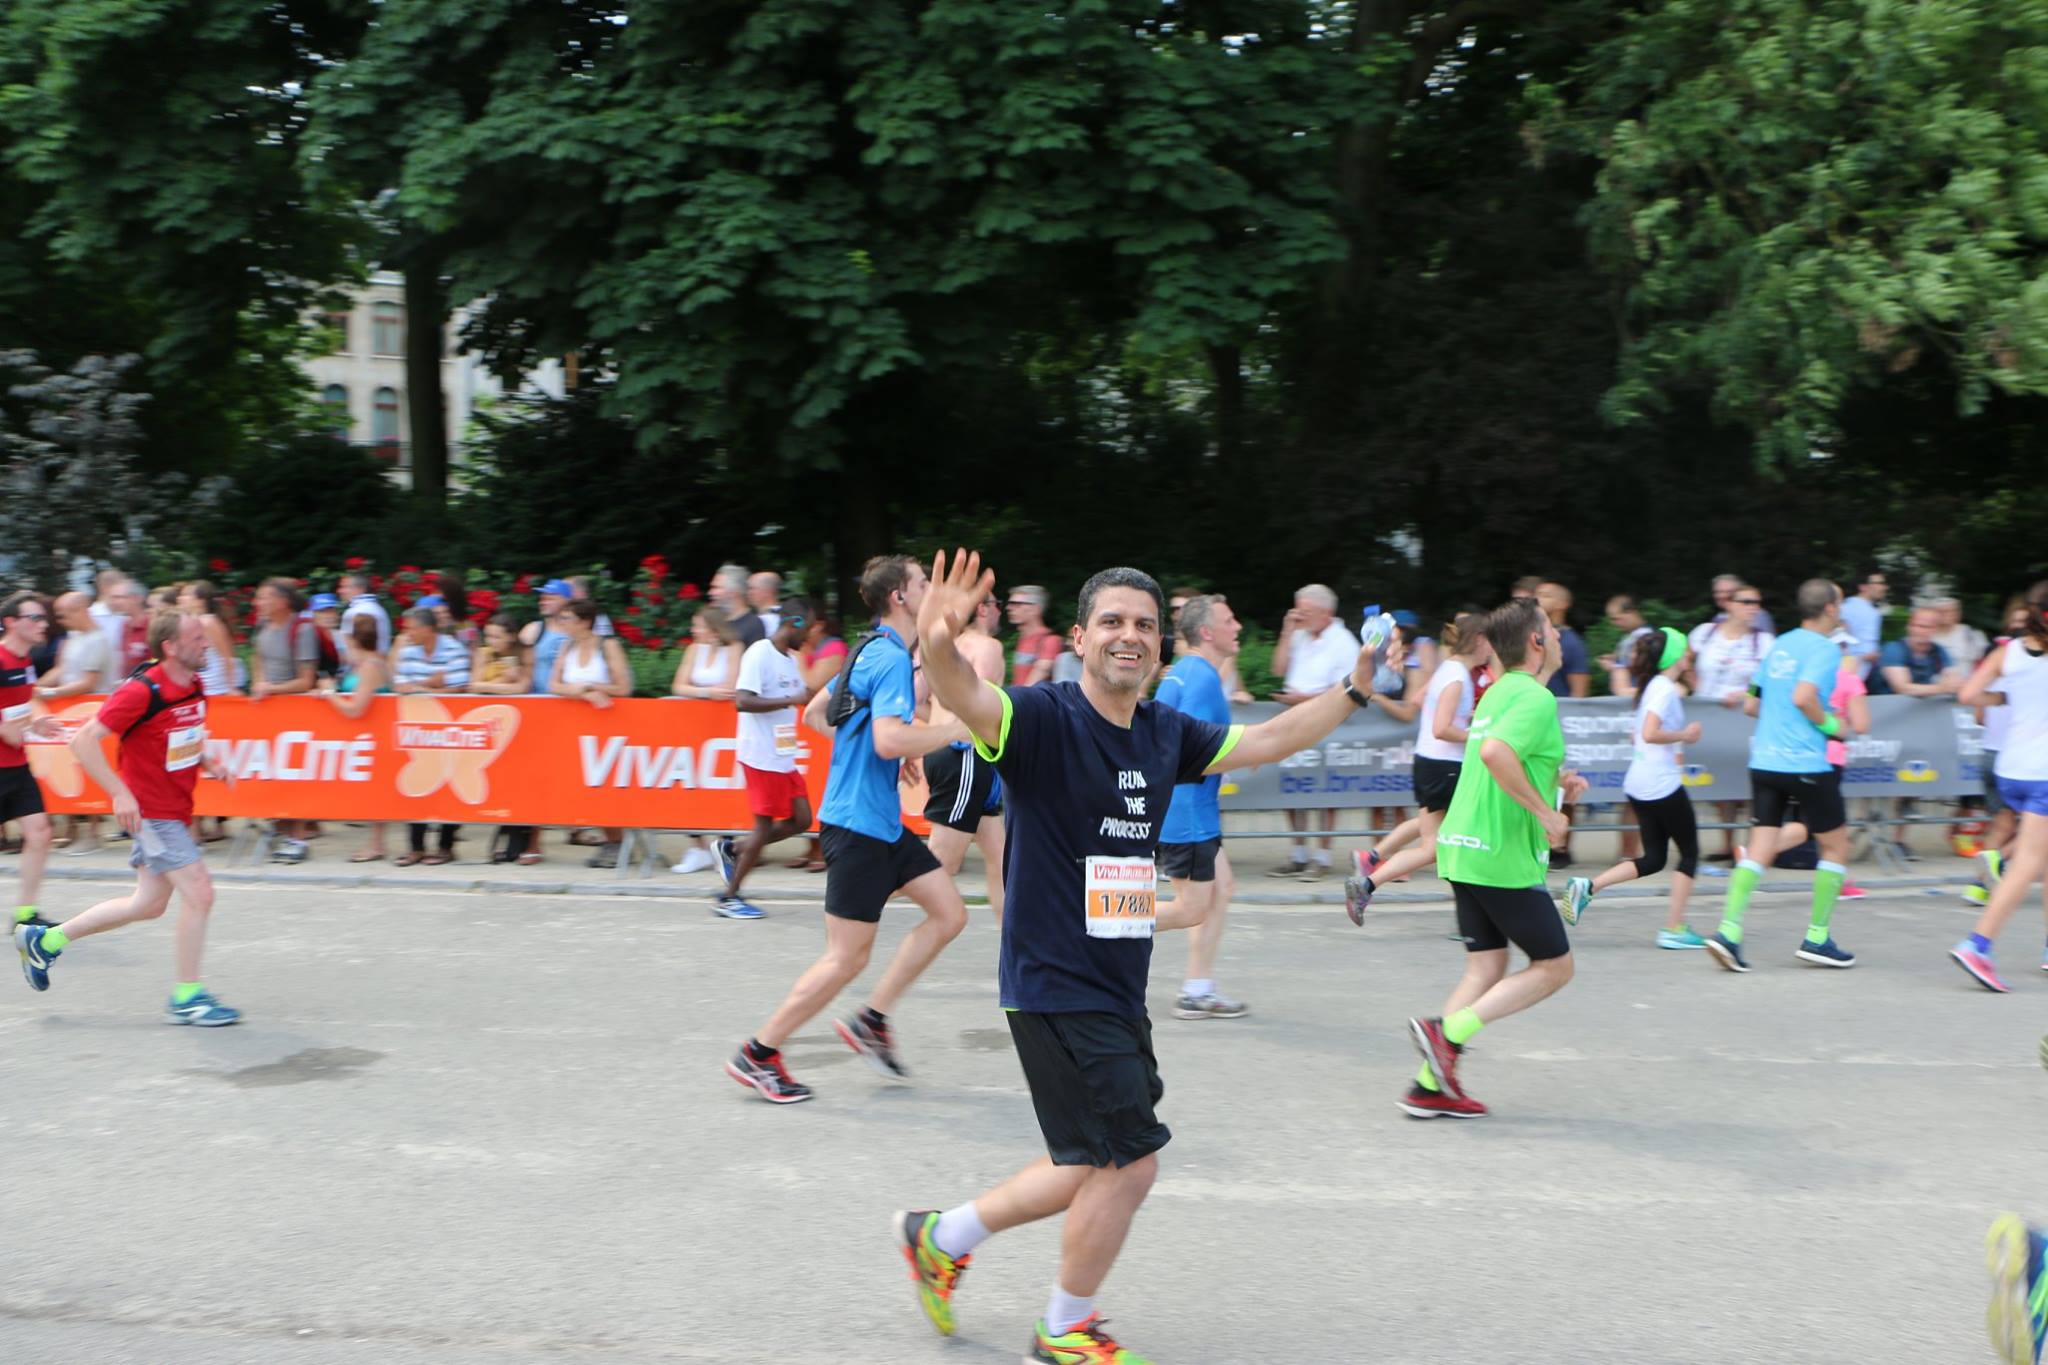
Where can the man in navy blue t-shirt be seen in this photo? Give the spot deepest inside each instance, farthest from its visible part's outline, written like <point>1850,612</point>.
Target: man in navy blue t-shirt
<point>869,855</point>
<point>1191,840</point>
<point>1088,769</point>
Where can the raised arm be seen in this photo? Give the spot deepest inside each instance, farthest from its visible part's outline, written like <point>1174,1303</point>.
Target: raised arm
<point>948,606</point>
<point>1300,726</point>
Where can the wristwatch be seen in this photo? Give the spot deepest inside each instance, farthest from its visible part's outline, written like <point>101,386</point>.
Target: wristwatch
<point>1358,698</point>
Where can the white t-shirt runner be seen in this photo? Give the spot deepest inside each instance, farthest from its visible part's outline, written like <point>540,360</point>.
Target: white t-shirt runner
<point>767,739</point>
<point>1449,673</point>
<point>1653,772</point>
<point>2023,679</point>
<point>1725,666</point>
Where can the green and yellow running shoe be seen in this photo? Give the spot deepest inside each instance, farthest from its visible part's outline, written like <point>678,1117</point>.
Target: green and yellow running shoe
<point>935,1274</point>
<point>2018,1317</point>
<point>1087,1344</point>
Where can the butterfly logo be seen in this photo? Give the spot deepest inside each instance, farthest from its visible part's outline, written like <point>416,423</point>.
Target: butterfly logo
<point>443,750</point>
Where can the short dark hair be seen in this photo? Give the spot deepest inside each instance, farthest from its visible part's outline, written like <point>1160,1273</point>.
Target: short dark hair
<point>1118,578</point>
<point>163,628</point>
<point>1509,626</point>
<point>1816,595</point>
<point>15,601</point>
<point>1527,584</point>
<point>1194,616</point>
<point>583,609</point>
<point>1872,572</point>
<point>879,577</point>
<point>795,606</point>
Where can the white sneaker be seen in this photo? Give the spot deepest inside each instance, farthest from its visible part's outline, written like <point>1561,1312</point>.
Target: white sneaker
<point>695,860</point>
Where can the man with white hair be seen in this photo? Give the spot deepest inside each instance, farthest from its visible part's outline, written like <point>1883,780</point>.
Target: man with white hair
<point>1963,643</point>
<point>764,595</point>
<point>1315,654</point>
<point>729,595</point>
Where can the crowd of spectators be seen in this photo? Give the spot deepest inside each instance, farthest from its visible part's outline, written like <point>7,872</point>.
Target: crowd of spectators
<point>350,646</point>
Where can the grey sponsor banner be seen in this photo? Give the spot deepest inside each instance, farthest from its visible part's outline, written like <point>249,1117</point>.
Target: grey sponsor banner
<point>1914,748</point>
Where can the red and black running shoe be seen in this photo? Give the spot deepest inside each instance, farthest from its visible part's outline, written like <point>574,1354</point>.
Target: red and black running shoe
<point>1435,1104</point>
<point>1439,1053</point>
<point>768,1076</point>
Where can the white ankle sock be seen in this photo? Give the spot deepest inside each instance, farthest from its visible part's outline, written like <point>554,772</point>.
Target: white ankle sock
<point>1197,987</point>
<point>1067,1311</point>
<point>960,1231</point>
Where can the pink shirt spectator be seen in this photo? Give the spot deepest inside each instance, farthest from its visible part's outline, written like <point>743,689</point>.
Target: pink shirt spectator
<point>1848,685</point>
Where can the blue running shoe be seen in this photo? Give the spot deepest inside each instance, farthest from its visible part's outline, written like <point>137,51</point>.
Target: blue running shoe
<point>1726,953</point>
<point>1826,953</point>
<point>2018,1316</point>
<point>35,963</point>
<point>201,1011</point>
<point>732,907</point>
<point>1681,937</point>
<point>1578,894</point>
<point>727,860</point>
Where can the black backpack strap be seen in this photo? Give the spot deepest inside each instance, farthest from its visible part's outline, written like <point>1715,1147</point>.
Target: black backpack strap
<point>157,705</point>
<point>844,703</point>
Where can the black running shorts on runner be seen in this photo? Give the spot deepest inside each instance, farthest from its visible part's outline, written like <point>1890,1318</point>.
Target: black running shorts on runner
<point>960,781</point>
<point>1436,782</point>
<point>1492,917</point>
<point>1094,1082</point>
<point>19,794</point>
<point>862,873</point>
<point>1819,796</point>
<point>1194,862</point>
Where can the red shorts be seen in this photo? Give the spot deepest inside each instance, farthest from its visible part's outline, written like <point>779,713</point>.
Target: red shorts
<point>773,794</point>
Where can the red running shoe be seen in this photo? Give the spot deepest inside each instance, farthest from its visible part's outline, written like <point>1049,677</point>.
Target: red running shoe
<point>1438,1053</point>
<point>1435,1104</point>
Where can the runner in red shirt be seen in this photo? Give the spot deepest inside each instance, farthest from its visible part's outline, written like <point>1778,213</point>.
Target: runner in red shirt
<point>25,619</point>
<point>159,715</point>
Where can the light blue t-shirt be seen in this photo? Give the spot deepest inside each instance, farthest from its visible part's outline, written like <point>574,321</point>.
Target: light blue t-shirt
<point>1194,687</point>
<point>1785,740</point>
<point>860,790</point>
<point>1864,621</point>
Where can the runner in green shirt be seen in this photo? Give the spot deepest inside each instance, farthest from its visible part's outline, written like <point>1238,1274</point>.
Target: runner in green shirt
<point>1494,849</point>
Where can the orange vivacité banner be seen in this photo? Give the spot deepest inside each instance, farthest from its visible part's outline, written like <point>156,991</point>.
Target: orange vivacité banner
<point>640,764</point>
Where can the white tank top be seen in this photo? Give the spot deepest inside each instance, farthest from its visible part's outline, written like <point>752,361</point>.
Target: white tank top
<point>214,674</point>
<point>1449,673</point>
<point>707,665</point>
<point>2023,678</point>
<point>590,672</point>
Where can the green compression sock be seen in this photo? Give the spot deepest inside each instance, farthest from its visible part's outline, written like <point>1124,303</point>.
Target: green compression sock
<point>53,941</point>
<point>1425,1080</point>
<point>185,991</point>
<point>1461,1027</point>
<point>1741,882</point>
<point>1827,884</point>
<point>24,913</point>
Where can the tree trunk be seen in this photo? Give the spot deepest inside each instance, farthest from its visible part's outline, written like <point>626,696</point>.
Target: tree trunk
<point>426,313</point>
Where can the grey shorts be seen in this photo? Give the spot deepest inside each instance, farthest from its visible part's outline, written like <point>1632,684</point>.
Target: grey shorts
<point>164,846</point>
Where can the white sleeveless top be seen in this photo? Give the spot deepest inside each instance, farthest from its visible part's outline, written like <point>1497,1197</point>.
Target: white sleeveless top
<point>2023,679</point>
<point>590,672</point>
<point>215,675</point>
<point>1449,673</point>
<point>708,665</point>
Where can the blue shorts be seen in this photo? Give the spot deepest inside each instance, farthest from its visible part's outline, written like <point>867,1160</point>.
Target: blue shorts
<point>2026,796</point>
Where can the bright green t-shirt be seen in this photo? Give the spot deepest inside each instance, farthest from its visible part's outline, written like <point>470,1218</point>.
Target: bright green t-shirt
<point>1487,838</point>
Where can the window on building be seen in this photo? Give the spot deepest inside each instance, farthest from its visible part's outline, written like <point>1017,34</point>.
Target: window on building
<point>384,423</point>
<point>338,323</point>
<point>387,329</point>
<point>334,410</point>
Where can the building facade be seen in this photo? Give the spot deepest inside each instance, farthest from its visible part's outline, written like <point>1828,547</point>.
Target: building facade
<point>361,383</point>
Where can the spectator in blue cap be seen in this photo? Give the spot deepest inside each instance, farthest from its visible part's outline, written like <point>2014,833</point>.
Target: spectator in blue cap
<point>1422,657</point>
<point>325,609</point>
<point>543,640</point>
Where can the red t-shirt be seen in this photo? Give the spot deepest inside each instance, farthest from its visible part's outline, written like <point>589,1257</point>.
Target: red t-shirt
<point>17,696</point>
<point>159,757</point>
<point>1031,649</point>
<point>134,644</point>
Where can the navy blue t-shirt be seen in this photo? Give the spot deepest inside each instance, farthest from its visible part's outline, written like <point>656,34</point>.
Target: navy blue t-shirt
<point>1077,786</point>
<point>1576,659</point>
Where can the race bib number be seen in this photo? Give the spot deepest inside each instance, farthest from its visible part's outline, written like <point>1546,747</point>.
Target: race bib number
<point>1120,892</point>
<point>183,747</point>
<point>785,741</point>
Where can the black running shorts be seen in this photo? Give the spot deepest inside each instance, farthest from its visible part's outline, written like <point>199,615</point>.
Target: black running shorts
<point>1436,782</point>
<point>1819,796</point>
<point>960,781</point>
<point>19,794</point>
<point>1194,862</point>
<point>862,873</point>
<point>1492,917</point>
<point>1094,1082</point>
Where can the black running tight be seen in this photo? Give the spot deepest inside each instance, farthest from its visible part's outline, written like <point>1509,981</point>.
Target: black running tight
<point>1668,818</point>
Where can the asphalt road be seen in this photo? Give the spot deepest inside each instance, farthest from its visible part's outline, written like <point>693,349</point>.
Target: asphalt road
<point>463,1129</point>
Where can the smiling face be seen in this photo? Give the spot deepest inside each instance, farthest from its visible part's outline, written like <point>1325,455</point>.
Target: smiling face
<point>1119,645</point>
